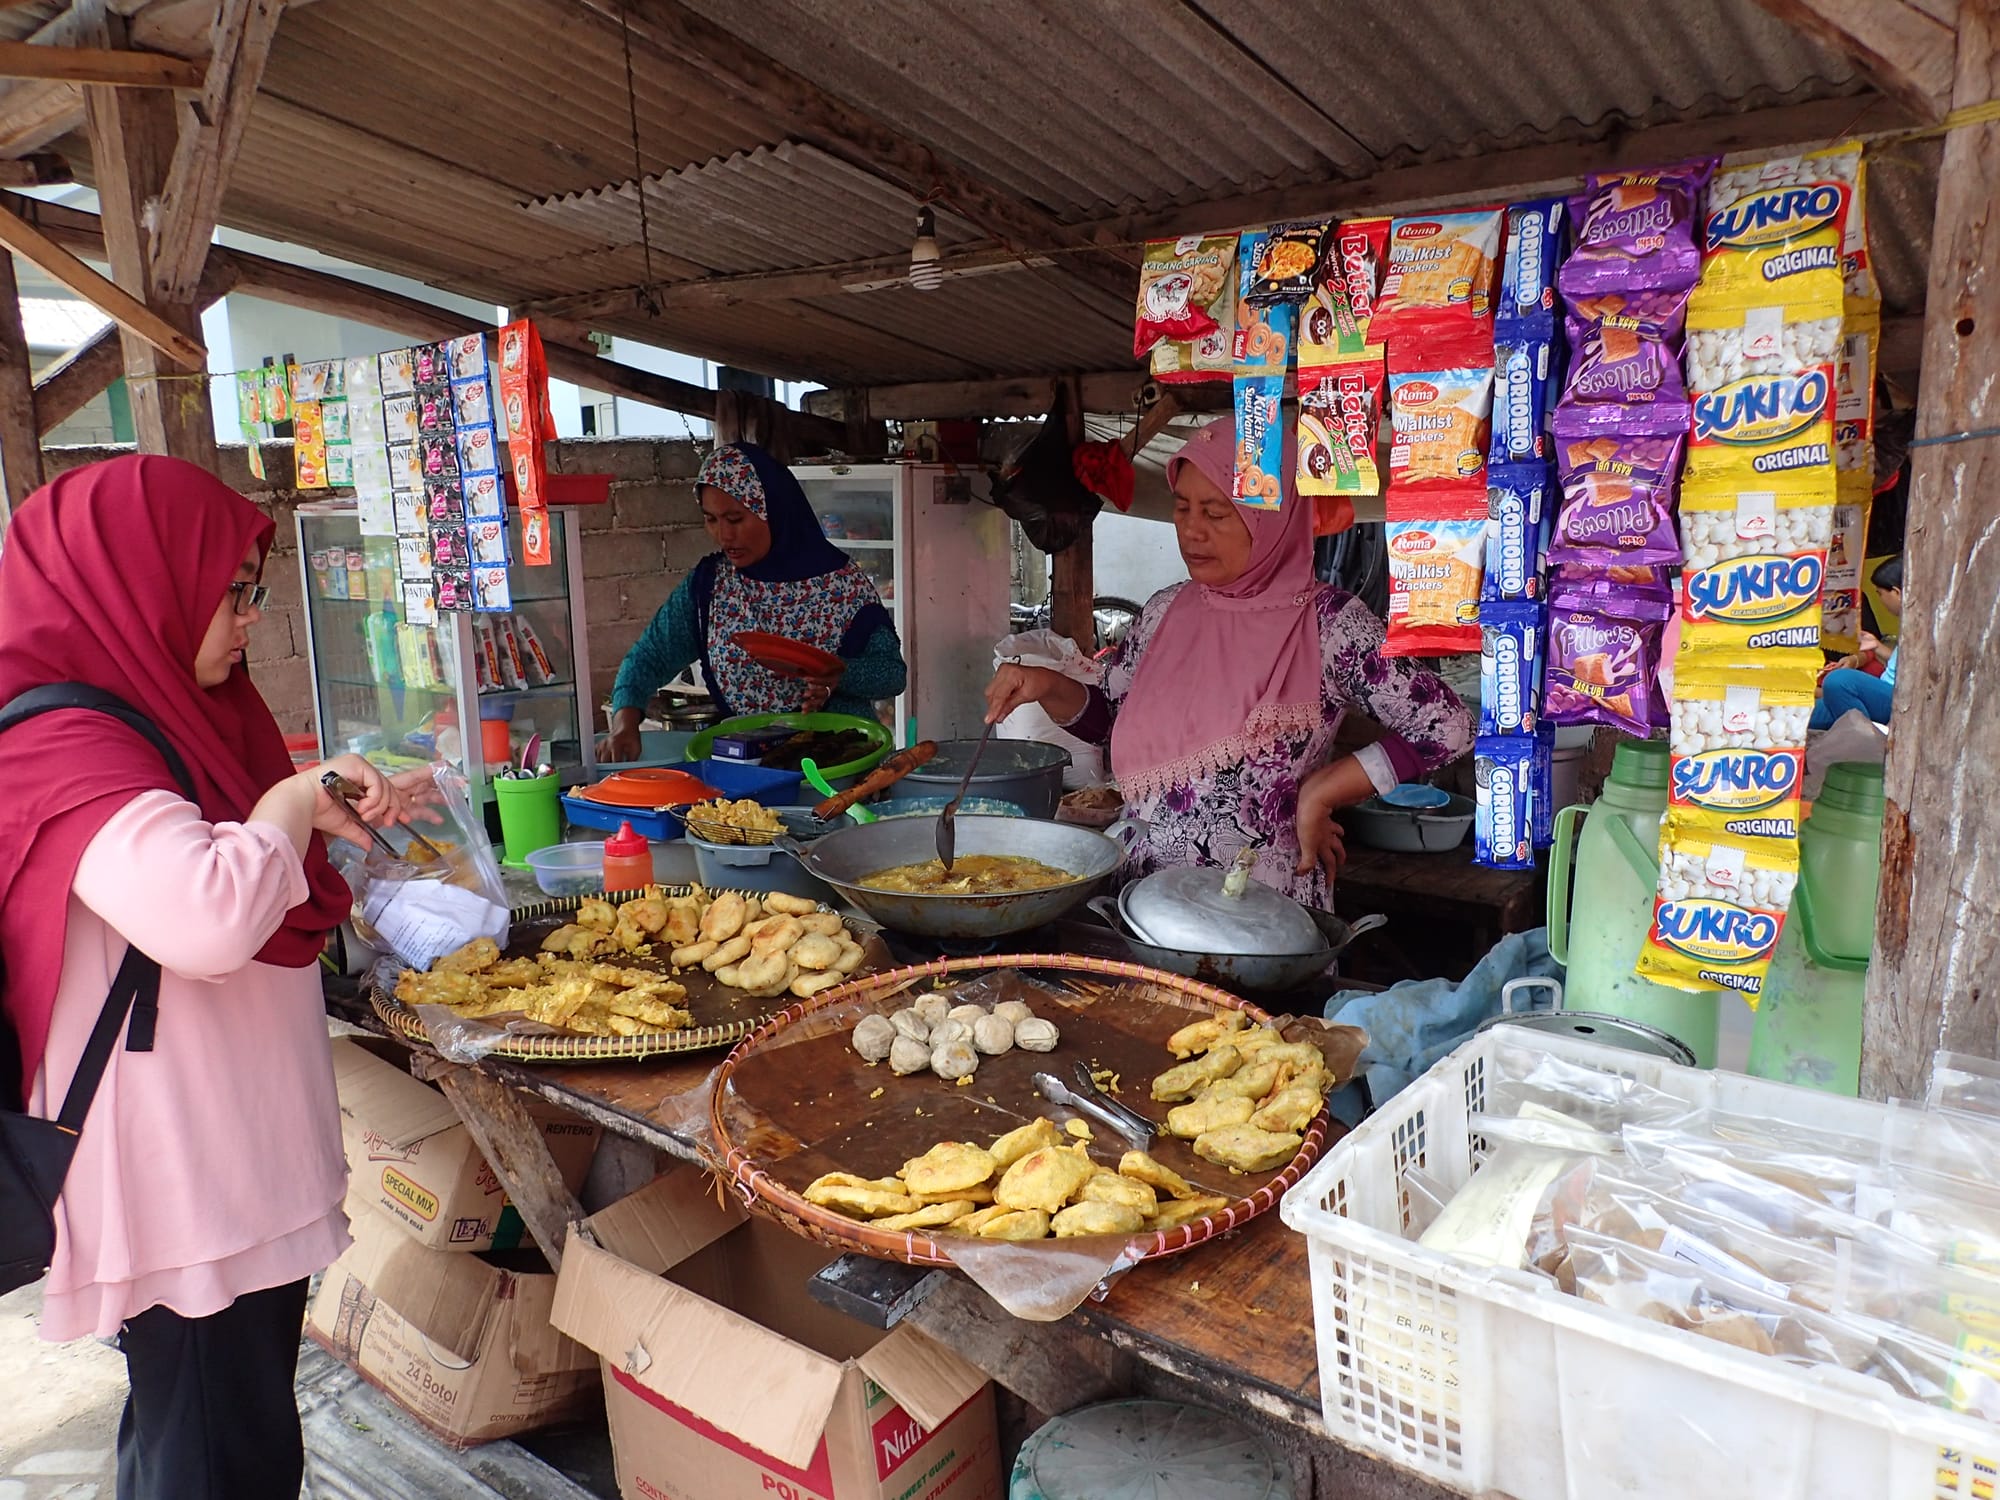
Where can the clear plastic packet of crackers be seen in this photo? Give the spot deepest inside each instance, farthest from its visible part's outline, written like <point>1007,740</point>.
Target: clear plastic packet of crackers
<point>1443,271</point>
<point>1340,412</point>
<point>1854,392</point>
<point>1753,568</point>
<point>1260,441</point>
<point>1760,427</point>
<point>1440,424</point>
<point>1777,234</point>
<point>1737,735</point>
<point>1717,912</point>
<point>1178,279</point>
<point>1437,558</point>
<point>1637,230</point>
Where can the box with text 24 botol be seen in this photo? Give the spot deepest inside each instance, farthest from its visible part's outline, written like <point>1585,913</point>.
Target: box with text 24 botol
<point>724,1380</point>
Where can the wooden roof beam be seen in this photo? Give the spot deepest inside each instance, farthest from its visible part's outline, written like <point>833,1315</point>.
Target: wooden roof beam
<point>1906,49</point>
<point>28,242</point>
<point>805,111</point>
<point>110,67</point>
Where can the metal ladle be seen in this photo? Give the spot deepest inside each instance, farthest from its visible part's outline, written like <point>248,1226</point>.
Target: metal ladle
<point>947,832</point>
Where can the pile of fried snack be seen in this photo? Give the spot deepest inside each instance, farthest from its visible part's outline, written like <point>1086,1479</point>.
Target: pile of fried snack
<point>1246,1095</point>
<point>764,946</point>
<point>1029,1184</point>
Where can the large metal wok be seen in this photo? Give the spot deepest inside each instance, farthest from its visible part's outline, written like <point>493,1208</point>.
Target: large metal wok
<point>1237,972</point>
<point>843,859</point>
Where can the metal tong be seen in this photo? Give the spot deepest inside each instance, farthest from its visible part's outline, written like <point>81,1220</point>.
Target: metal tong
<point>1087,1098</point>
<point>344,792</point>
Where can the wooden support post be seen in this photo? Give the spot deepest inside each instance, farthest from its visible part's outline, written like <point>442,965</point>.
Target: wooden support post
<point>518,1153</point>
<point>132,135</point>
<point>1073,589</point>
<point>1935,979</point>
<point>20,440</point>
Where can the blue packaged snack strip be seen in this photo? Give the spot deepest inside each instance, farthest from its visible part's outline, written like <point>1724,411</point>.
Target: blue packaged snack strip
<point>1542,785</point>
<point>1536,235</point>
<point>1521,503</point>
<point>1503,823</point>
<point>1510,667</point>
<point>1524,396</point>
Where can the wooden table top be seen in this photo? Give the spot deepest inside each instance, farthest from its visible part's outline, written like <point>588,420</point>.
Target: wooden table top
<point>1449,876</point>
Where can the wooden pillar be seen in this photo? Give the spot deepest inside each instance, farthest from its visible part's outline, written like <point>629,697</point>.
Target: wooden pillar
<point>1935,980</point>
<point>1073,588</point>
<point>20,439</point>
<point>132,136</point>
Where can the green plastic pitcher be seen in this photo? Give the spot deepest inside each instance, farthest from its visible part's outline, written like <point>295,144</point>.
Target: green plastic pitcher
<point>1809,1015</point>
<point>1617,869</point>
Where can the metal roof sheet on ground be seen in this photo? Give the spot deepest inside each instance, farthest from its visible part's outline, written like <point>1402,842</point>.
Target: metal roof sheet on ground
<point>418,135</point>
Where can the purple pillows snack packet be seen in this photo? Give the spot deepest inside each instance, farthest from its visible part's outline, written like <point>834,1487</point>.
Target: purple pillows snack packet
<point>1603,657</point>
<point>1661,313</point>
<point>1638,230</point>
<point>1618,501</point>
<point>1623,379</point>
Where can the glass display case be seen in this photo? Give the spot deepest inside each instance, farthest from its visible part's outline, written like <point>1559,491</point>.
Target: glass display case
<point>403,693</point>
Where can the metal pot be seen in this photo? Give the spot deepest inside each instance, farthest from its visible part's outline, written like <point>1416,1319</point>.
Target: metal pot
<point>1621,1032</point>
<point>1244,971</point>
<point>1409,830</point>
<point>1202,909</point>
<point>845,858</point>
<point>1025,772</point>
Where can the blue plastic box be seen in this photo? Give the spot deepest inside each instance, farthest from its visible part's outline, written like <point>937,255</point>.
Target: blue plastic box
<point>733,778</point>
<point>659,827</point>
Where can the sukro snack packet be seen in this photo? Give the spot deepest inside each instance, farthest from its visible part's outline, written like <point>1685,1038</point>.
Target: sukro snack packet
<point>1717,913</point>
<point>1760,427</point>
<point>1754,564</point>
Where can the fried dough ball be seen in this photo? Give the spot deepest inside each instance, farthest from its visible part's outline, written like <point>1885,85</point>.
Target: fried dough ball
<point>1096,1218</point>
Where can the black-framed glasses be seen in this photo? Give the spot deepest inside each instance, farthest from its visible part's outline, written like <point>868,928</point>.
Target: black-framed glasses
<point>245,597</point>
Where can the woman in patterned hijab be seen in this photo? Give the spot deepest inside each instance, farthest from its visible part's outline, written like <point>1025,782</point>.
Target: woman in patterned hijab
<point>775,572</point>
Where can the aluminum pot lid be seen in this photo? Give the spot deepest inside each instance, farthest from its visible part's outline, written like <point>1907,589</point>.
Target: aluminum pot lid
<point>1606,1030</point>
<point>1201,910</point>
<point>1003,758</point>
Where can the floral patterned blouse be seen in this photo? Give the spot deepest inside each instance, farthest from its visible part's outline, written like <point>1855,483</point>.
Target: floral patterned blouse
<point>1209,819</point>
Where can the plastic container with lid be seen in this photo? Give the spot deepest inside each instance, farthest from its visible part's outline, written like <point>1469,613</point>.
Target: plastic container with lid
<point>1809,1015</point>
<point>628,860</point>
<point>1617,869</point>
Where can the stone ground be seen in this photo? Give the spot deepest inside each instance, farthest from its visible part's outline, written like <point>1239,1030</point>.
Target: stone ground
<point>59,1421</point>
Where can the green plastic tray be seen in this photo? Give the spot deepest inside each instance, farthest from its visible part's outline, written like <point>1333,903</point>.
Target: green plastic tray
<point>699,747</point>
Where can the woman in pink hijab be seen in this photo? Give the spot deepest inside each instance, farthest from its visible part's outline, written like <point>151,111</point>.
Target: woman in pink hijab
<point>1222,704</point>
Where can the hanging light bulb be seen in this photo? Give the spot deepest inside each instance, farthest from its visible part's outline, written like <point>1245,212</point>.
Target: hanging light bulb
<point>926,269</point>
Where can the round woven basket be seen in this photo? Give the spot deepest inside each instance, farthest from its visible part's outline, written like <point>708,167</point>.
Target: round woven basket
<point>766,1194</point>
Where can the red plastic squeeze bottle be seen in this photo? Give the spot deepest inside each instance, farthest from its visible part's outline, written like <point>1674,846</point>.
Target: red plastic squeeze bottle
<point>628,860</point>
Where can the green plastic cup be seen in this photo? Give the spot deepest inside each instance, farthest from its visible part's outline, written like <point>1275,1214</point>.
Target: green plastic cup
<point>530,815</point>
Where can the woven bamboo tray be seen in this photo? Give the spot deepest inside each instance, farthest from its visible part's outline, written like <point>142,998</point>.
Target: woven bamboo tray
<point>760,1157</point>
<point>709,1001</point>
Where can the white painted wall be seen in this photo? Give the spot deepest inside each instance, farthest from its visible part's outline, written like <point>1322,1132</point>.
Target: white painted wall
<point>1134,558</point>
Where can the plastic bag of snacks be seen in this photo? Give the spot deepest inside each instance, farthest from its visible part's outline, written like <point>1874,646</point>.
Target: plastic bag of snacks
<point>1777,232</point>
<point>1208,356</point>
<point>1440,423</point>
<point>1738,742</point>
<point>1618,499</point>
<point>1178,279</point>
<point>1260,441</point>
<point>1503,776</point>
<point>1525,384</point>
<point>1264,337</point>
<point>1623,377</point>
<point>1637,230</point>
<point>1754,562</point>
<point>1520,506</point>
<point>1761,426</point>
<point>1510,666</point>
<point>1340,408</point>
<point>1286,264</point>
<point>1718,911</point>
<point>1441,277</point>
<point>1437,556</point>
<point>1603,656</point>
<point>1537,236</point>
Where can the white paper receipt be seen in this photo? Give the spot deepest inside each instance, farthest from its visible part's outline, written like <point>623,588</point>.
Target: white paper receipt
<point>422,920</point>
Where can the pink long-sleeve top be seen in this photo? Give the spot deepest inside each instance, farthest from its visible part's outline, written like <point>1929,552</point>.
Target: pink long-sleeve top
<point>210,1166</point>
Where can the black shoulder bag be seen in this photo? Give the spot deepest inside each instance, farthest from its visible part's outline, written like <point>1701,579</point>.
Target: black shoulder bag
<point>35,1153</point>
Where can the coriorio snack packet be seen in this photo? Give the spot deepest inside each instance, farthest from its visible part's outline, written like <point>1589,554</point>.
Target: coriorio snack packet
<point>1441,276</point>
<point>1754,564</point>
<point>1717,912</point>
<point>1520,505</point>
<point>1440,423</point>
<point>1637,230</point>
<point>1524,394</point>
<point>1738,743</point>
<point>1603,657</point>
<point>1437,552</point>
<point>1340,408</point>
<point>1503,801</point>
<point>1510,667</point>
<point>1537,235</point>
<point>1177,280</point>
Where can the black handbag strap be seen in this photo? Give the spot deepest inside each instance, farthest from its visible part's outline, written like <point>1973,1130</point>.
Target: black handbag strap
<point>136,988</point>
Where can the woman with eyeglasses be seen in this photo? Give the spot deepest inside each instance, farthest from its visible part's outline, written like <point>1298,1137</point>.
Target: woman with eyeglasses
<point>208,1177</point>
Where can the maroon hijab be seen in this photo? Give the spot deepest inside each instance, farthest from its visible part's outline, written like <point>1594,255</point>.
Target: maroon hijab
<point>110,576</point>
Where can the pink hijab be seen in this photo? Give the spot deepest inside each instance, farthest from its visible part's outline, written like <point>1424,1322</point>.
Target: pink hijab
<point>1229,668</point>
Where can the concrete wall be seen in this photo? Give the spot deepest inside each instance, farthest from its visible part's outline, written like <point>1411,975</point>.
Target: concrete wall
<point>636,549</point>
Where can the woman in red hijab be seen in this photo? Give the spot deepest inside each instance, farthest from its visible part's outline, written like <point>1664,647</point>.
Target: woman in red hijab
<point>208,1178</point>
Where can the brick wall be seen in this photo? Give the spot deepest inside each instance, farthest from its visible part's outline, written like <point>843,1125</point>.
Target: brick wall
<point>635,550</point>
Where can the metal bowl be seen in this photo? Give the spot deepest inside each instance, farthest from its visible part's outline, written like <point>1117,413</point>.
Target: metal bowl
<point>845,858</point>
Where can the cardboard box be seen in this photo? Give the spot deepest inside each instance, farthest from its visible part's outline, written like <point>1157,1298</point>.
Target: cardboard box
<point>726,1381</point>
<point>410,1159</point>
<point>463,1343</point>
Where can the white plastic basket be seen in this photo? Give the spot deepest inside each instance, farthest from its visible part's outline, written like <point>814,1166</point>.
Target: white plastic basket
<point>1494,1382</point>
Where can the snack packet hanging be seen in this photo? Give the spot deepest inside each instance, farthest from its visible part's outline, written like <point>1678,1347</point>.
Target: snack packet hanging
<point>1525,385</point>
<point>1208,356</point>
<point>1856,264</point>
<point>1760,427</point>
<point>1437,555</point>
<point>1260,441</point>
<point>1763,341</point>
<point>1660,313</point>
<point>1754,563</point>
<point>1340,411</point>
<point>1603,658</point>
<point>1776,234</point>
<point>1177,281</point>
<point>1441,274</point>
<point>1264,337</point>
<point>1510,667</point>
<point>1440,423</point>
<point>1618,497</point>
<point>1637,230</point>
<point>1287,263</point>
<point>1537,235</point>
<point>1717,912</point>
<point>1520,507</point>
<point>1840,602</point>
<point>1503,801</point>
<point>1334,322</point>
<point>1623,378</point>
<point>1738,738</point>
<point>1854,396</point>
